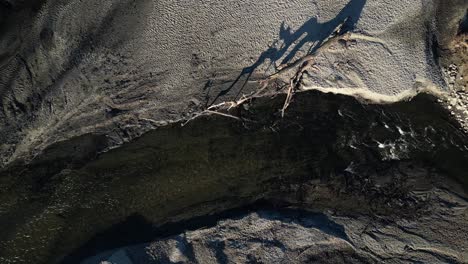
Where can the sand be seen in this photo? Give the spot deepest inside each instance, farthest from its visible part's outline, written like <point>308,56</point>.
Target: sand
<point>62,63</point>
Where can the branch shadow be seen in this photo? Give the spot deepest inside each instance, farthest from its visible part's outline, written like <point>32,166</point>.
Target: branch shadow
<point>311,31</point>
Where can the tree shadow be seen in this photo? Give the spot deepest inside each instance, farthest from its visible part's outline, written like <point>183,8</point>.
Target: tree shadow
<point>311,31</point>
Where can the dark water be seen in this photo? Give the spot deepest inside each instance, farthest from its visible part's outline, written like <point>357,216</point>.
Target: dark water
<point>79,203</point>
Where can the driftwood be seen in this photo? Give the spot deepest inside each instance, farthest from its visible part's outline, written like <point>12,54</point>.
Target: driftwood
<point>301,66</point>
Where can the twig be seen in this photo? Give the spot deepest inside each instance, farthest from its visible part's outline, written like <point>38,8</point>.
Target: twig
<point>288,99</point>
<point>223,114</point>
<point>212,112</point>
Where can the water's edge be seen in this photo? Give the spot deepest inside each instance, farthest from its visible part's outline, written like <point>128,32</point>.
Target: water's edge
<point>69,195</point>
